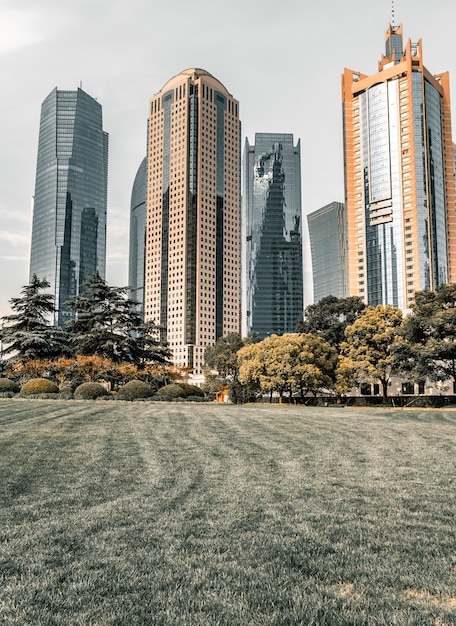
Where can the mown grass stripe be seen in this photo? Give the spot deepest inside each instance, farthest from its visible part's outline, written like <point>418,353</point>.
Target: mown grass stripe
<point>175,514</point>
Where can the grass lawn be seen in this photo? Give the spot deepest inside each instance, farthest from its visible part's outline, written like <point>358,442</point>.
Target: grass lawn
<point>117,513</point>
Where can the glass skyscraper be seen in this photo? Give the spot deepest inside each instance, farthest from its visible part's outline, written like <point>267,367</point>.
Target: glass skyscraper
<point>70,203</point>
<point>138,235</point>
<point>328,249</point>
<point>399,182</point>
<point>272,271</point>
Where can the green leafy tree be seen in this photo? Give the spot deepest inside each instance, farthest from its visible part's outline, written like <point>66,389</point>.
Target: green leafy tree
<point>329,318</point>
<point>27,333</point>
<point>108,324</point>
<point>428,336</point>
<point>223,356</point>
<point>370,345</point>
<point>222,368</point>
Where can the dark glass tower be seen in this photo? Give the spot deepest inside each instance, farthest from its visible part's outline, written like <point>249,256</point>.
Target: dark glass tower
<point>138,235</point>
<point>272,273</point>
<point>69,216</point>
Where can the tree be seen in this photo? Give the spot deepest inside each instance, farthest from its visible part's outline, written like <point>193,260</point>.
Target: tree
<point>329,318</point>
<point>428,336</point>
<point>316,363</point>
<point>222,358</point>
<point>108,324</point>
<point>288,363</point>
<point>370,344</point>
<point>26,333</point>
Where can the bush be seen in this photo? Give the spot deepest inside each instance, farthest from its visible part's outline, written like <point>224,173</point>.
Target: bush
<point>8,385</point>
<point>90,391</point>
<point>136,389</point>
<point>197,399</point>
<point>39,386</point>
<point>173,391</point>
<point>191,390</point>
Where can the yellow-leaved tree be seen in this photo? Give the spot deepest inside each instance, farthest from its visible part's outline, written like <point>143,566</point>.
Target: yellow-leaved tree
<point>370,345</point>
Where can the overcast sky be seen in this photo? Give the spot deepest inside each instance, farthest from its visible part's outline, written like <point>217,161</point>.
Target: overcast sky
<point>282,60</point>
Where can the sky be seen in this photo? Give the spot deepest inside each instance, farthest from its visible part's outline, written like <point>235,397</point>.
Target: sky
<point>282,60</point>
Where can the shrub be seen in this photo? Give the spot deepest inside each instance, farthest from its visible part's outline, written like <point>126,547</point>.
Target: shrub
<point>90,391</point>
<point>8,385</point>
<point>172,391</point>
<point>39,386</point>
<point>191,390</point>
<point>136,389</point>
<point>197,399</point>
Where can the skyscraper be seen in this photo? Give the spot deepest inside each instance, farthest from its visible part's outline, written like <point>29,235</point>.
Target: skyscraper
<point>272,273</point>
<point>69,215</point>
<point>328,249</point>
<point>399,184</point>
<point>193,206</point>
<point>138,235</point>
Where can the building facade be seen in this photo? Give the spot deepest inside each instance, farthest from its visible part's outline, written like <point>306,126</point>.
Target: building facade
<point>272,270</point>
<point>192,264</point>
<point>70,202</point>
<point>399,183</point>
<point>137,248</point>
<point>328,249</point>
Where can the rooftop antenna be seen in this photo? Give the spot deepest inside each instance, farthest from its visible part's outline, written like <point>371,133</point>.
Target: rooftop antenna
<point>392,14</point>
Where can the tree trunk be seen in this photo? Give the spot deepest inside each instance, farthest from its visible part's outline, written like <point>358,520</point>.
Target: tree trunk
<point>385,391</point>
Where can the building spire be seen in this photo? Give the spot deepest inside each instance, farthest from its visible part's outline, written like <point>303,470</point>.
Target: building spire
<point>392,14</point>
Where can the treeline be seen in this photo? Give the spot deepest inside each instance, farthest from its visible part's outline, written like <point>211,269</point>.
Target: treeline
<point>340,344</point>
<point>107,339</point>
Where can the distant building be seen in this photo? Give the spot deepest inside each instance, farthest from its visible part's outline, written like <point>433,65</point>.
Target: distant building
<point>192,262</point>
<point>136,258</point>
<point>69,215</point>
<point>399,182</point>
<point>328,250</point>
<point>272,271</point>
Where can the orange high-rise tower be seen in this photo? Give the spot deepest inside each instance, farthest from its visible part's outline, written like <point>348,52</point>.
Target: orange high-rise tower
<point>399,182</point>
<point>192,258</point>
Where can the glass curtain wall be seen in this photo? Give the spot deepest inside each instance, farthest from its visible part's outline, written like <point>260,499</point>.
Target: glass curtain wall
<point>272,274</point>
<point>70,202</point>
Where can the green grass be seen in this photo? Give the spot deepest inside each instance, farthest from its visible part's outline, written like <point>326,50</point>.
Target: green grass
<point>116,513</point>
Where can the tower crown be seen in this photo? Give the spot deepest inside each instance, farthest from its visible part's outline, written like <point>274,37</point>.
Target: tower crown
<point>194,74</point>
<point>393,44</point>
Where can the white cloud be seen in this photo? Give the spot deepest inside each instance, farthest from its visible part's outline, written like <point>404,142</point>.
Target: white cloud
<point>18,29</point>
<point>15,239</point>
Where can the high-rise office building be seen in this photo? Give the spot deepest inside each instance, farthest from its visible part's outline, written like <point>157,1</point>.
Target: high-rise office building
<point>69,214</point>
<point>138,235</point>
<point>328,250</point>
<point>399,183</point>
<point>272,271</point>
<point>193,213</point>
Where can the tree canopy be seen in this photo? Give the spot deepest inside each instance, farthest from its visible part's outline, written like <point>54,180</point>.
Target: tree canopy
<point>370,344</point>
<point>288,363</point>
<point>27,333</point>
<point>109,324</point>
<point>428,336</point>
<point>329,318</point>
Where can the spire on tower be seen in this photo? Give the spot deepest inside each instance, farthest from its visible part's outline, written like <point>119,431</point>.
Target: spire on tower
<point>392,14</point>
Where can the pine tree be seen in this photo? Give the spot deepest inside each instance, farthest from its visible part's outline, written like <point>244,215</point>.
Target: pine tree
<point>108,324</point>
<point>27,333</point>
